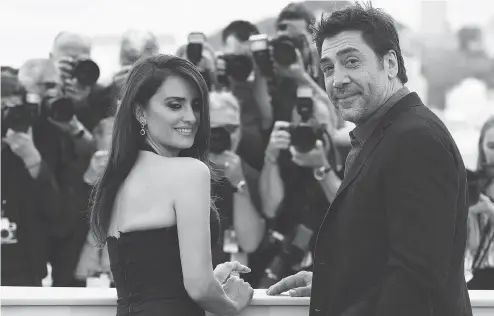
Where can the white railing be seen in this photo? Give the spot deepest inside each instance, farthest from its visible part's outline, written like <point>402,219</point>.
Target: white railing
<point>20,301</point>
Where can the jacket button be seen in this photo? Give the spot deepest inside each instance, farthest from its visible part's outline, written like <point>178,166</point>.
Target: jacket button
<point>317,310</point>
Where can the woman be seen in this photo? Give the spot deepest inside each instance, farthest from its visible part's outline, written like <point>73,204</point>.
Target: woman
<point>480,245</point>
<point>152,203</point>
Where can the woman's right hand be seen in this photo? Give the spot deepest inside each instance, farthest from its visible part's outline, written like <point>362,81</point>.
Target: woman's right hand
<point>239,291</point>
<point>279,139</point>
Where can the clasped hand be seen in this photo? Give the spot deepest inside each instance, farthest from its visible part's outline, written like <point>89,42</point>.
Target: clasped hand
<point>235,288</point>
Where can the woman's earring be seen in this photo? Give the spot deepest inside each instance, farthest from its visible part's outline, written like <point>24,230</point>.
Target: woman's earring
<point>143,125</point>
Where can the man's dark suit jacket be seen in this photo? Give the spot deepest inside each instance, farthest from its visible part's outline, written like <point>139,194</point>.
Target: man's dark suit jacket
<point>393,241</point>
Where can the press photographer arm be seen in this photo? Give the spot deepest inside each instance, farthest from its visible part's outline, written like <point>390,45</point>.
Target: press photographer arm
<point>249,225</point>
<point>45,188</point>
<point>323,171</point>
<point>261,95</point>
<point>272,189</point>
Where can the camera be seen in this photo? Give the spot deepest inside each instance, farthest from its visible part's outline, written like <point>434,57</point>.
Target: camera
<point>220,140</point>
<point>304,134</point>
<point>85,71</point>
<point>19,112</point>
<point>8,231</point>
<point>293,250</point>
<point>237,67</point>
<point>285,49</point>
<point>261,51</point>
<point>60,109</point>
<point>195,47</point>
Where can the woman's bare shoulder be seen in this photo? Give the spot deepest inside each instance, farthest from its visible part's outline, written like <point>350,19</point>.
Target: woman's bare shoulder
<point>183,169</point>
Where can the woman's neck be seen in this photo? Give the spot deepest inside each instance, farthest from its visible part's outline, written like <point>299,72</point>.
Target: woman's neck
<point>161,150</point>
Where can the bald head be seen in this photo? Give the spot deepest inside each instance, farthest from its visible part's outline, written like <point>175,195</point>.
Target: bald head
<point>69,44</point>
<point>137,44</point>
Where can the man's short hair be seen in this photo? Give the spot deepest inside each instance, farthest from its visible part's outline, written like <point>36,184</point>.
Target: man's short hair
<point>296,11</point>
<point>378,31</point>
<point>242,30</point>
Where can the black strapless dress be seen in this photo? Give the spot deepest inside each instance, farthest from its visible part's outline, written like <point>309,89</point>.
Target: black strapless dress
<point>147,271</point>
<point>148,276</point>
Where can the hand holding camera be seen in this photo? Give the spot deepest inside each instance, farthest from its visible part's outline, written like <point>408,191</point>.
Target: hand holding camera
<point>280,139</point>
<point>23,146</point>
<point>315,158</point>
<point>230,165</point>
<point>78,77</point>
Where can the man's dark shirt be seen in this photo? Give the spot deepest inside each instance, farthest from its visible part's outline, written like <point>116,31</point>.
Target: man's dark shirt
<point>361,133</point>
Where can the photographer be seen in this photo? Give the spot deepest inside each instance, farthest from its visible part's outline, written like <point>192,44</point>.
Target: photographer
<point>71,108</point>
<point>298,182</point>
<point>479,255</point>
<point>238,200</point>
<point>30,195</point>
<point>199,52</point>
<point>255,106</point>
<point>134,45</point>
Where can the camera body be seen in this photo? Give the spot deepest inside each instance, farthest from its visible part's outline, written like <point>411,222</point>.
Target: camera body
<point>237,67</point>
<point>292,251</point>
<point>60,109</point>
<point>304,134</point>
<point>281,49</point>
<point>195,47</point>
<point>8,231</point>
<point>220,140</point>
<point>19,112</point>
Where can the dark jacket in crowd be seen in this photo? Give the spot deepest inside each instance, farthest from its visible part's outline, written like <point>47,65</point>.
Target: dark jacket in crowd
<point>69,163</point>
<point>393,241</point>
<point>33,206</point>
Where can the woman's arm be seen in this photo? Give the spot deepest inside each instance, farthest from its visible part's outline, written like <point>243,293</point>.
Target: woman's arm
<point>192,209</point>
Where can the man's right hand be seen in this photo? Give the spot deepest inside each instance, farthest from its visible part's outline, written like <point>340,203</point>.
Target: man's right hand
<point>279,139</point>
<point>299,284</point>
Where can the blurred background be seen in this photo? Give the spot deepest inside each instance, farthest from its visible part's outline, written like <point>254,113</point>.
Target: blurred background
<point>434,35</point>
<point>447,45</point>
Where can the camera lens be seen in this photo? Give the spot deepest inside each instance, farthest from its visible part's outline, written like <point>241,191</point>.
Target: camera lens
<point>239,67</point>
<point>86,72</point>
<point>284,51</point>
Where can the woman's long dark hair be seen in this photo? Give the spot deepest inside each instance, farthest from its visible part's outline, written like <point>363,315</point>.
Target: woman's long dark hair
<point>482,166</point>
<point>144,79</point>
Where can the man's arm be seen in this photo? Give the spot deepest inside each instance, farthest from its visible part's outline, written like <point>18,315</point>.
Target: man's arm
<point>421,191</point>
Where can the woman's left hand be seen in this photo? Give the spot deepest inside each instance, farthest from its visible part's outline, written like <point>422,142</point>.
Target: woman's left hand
<point>223,271</point>
<point>484,206</point>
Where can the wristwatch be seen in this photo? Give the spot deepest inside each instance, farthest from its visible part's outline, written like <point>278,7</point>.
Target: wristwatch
<point>240,187</point>
<point>320,173</point>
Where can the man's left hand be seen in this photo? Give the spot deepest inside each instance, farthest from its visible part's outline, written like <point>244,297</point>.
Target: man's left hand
<point>72,127</point>
<point>23,146</point>
<point>75,91</point>
<point>295,71</point>
<point>315,158</point>
<point>230,164</point>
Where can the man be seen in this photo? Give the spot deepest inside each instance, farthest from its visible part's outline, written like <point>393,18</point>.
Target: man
<point>255,106</point>
<point>30,194</point>
<point>393,241</point>
<point>67,148</point>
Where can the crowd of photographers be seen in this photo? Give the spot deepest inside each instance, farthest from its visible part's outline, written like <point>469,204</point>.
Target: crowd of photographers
<point>277,144</point>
